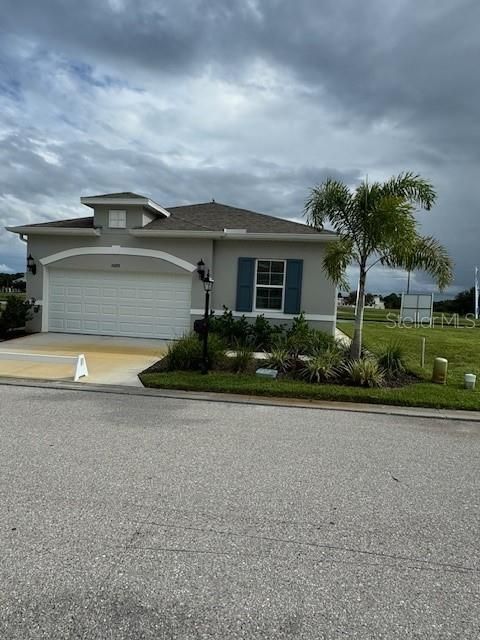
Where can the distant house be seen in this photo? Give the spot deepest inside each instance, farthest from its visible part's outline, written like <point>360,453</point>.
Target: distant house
<point>377,303</point>
<point>130,268</point>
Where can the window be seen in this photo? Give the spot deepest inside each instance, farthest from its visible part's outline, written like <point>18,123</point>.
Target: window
<point>269,284</point>
<point>117,219</point>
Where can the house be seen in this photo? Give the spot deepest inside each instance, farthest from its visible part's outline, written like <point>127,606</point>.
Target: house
<point>130,268</point>
<point>377,302</point>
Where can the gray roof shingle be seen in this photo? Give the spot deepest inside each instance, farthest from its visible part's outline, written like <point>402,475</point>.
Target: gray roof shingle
<point>208,216</point>
<point>214,216</point>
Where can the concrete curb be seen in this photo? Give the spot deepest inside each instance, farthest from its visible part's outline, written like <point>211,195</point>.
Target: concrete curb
<point>291,403</point>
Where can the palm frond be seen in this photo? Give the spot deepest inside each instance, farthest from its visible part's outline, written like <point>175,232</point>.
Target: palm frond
<point>338,256</point>
<point>329,202</point>
<point>411,187</point>
<point>424,253</point>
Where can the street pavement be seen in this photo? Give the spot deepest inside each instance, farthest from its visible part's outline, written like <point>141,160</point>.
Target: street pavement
<point>135,517</point>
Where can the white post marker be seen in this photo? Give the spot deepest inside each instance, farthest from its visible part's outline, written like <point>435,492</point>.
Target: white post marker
<point>422,355</point>
<point>79,361</point>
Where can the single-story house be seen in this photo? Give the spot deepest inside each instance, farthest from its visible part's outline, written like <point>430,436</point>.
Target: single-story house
<point>130,268</point>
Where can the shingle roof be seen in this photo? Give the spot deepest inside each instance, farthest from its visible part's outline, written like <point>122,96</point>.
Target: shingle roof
<point>209,216</point>
<point>214,216</point>
<point>121,194</point>
<point>73,223</point>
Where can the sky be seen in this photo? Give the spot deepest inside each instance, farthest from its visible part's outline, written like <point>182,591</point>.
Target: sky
<point>252,103</point>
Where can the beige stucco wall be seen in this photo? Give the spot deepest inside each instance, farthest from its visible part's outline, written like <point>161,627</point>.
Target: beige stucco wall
<point>318,294</point>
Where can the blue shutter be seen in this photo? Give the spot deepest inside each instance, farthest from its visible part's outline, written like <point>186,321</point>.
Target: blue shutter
<point>245,275</point>
<point>293,286</point>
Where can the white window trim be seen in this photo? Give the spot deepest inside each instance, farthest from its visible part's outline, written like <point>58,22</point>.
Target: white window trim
<point>117,226</point>
<point>271,286</point>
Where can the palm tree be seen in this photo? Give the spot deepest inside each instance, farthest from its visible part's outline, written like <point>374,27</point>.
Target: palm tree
<point>376,224</point>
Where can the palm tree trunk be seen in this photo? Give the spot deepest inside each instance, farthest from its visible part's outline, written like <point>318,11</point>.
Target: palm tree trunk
<point>356,346</point>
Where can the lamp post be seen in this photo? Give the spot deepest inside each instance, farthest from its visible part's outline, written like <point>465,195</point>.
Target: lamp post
<point>207,286</point>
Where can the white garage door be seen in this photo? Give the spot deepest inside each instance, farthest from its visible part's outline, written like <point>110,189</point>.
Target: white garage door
<point>135,305</point>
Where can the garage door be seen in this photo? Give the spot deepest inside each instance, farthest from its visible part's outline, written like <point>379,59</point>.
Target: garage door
<point>134,305</point>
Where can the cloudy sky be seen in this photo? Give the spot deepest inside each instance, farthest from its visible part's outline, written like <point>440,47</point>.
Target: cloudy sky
<point>250,102</point>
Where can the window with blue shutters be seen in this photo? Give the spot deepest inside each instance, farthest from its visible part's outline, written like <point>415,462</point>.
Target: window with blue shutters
<point>269,285</point>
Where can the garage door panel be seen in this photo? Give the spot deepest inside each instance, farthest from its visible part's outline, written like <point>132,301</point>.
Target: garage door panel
<point>72,324</point>
<point>137,305</point>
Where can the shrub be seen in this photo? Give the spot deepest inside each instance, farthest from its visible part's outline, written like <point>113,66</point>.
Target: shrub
<point>263,334</point>
<point>363,373</point>
<point>322,366</point>
<point>392,359</point>
<point>319,341</point>
<point>299,327</point>
<point>230,330</point>
<point>243,359</point>
<point>187,353</point>
<point>14,315</point>
<point>259,334</point>
<point>280,359</point>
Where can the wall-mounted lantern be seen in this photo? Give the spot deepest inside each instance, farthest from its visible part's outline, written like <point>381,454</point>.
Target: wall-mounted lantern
<point>31,266</point>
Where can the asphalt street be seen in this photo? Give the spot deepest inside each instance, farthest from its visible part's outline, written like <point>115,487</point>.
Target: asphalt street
<point>142,517</point>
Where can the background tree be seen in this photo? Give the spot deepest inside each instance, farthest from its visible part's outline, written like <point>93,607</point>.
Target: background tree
<point>351,298</point>
<point>392,301</point>
<point>376,224</point>
<point>463,303</point>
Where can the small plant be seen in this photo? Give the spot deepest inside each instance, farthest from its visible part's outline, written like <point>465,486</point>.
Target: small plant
<point>243,359</point>
<point>299,326</point>
<point>323,366</point>
<point>229,329</point>
<point>319,341</point>
<point>263,334</point>
<point>15,314</point>
<point>280,359</point>
<point>186,354</point>
<point>363,373</point>
<point>392,359</point>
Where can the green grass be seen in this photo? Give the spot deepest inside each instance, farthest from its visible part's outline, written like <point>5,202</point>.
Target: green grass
<point>376,315</point>
<point>387,315</point>
<point>4,296</point>
<point>414,395</point>
<point>460,346</point>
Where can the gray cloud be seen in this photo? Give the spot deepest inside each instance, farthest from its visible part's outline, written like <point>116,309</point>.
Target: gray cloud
<point>251,103</point>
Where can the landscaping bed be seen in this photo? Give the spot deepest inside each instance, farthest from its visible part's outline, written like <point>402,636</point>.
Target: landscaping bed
<point>413,388</point>
<point>419,394</point>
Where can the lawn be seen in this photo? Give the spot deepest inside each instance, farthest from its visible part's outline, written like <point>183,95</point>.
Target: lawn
<point>460,346</point>
<point>5,296</point>
<point>387,315</point>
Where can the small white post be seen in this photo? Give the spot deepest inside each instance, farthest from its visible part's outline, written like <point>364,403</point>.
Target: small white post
<point>80,368</point>
<point>422,355</point>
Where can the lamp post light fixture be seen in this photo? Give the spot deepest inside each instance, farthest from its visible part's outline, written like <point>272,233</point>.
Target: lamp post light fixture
<point>31,266</point>
<point>207,287</point>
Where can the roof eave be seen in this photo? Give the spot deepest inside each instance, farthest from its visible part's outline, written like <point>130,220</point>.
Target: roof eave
<point>220,235</point>
<point>143,202</point>
<point>56,231</point>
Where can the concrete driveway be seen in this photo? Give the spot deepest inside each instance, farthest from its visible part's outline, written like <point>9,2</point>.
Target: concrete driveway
<point>110,360</point>
<point>128,517</point>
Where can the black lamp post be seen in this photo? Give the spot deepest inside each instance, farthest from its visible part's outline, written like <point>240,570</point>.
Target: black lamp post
<point>207,286</point>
